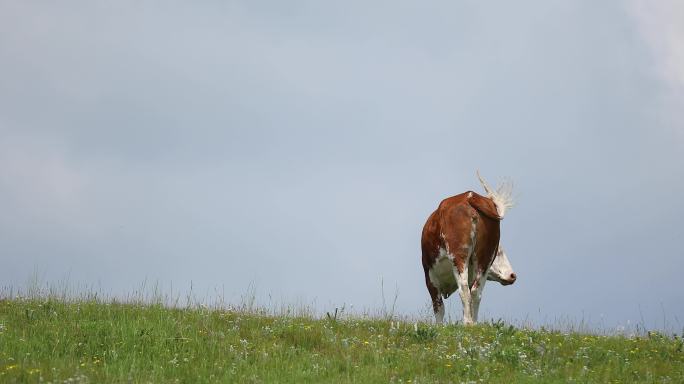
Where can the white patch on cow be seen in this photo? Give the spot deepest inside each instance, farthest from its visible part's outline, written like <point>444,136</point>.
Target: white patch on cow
<point>471,251</point>
<point>441,273</point>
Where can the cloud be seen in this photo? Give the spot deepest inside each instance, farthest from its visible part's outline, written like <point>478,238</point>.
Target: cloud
<point>36,174</point>
<point>660,25</point>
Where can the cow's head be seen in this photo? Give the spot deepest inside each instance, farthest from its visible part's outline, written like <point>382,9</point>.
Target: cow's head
<point>501,269</point>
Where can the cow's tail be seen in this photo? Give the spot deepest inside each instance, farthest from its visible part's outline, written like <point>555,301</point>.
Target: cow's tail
<point>502,196</point>
<point>483,205</point>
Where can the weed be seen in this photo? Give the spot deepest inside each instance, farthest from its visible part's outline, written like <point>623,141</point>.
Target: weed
<point>89,340</point>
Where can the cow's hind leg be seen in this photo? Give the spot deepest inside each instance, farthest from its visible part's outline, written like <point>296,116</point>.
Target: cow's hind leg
<point>476,293</point>
<point>437,302</point>
<point>464,292</point>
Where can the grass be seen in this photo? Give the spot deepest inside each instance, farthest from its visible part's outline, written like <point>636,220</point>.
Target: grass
<point>89,340</point>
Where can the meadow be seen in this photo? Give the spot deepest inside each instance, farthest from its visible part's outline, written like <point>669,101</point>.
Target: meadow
<point>52,340</point>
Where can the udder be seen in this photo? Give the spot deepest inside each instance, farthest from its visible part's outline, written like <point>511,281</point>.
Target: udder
<point>442,275</point>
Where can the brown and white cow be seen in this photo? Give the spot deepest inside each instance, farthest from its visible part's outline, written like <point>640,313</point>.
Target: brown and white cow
<point>460,245</point>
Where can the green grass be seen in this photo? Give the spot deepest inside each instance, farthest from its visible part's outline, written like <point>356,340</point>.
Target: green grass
<point>48,340</point>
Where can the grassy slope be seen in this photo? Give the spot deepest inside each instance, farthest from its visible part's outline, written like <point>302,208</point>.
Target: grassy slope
<point>94,342</point>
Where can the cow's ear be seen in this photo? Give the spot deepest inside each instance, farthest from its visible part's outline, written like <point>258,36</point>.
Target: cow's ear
<point>484,205</point>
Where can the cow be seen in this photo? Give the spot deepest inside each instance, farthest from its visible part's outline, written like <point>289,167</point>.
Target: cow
<point>460,248</point>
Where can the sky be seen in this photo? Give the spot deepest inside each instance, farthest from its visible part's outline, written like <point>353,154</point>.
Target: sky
<point>295,149</point>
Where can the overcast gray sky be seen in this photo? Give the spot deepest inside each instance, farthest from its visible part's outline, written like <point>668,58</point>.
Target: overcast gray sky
<point>299,146</point>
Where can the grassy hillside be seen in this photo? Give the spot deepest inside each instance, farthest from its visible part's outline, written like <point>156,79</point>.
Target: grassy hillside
<point>88,341</point>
